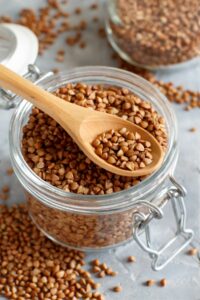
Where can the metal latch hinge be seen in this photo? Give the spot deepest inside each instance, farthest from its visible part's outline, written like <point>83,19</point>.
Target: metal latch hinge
<point>162,256</point>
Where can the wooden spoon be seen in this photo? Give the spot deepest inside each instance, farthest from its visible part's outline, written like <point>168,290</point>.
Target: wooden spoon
<point>82,124</point>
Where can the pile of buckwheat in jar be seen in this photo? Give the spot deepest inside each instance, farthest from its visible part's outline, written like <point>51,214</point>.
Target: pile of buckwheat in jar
<point>31,266</point>
<point>53,155</point>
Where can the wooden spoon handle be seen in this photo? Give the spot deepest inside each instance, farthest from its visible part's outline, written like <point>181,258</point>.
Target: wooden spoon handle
<point>68,115</point>
<point>26,89</point>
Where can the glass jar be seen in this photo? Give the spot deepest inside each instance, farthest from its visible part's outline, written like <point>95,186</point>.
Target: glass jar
<point>155,34</point>
<point>90,222</point>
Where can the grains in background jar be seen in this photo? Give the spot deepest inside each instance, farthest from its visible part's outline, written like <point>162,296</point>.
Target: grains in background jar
<point>123,149</point>
<point>155,34</point>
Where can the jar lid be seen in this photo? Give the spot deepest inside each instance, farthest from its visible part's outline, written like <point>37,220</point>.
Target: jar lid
<point>18,47</point>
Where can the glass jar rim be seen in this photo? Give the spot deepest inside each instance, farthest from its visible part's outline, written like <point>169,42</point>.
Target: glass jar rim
<point>56,197</point>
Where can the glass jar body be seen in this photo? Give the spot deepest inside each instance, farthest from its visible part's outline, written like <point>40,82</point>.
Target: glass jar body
<point>154,34</point>
<point>85,231</point>
<point>92,222</point>
<point>82,231</point>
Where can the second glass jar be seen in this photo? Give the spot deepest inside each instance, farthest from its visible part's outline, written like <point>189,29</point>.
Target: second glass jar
<point>154,34</point>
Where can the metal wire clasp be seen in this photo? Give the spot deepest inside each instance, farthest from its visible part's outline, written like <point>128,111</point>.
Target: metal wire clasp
<point>163,255</point>
<point>8,99</point>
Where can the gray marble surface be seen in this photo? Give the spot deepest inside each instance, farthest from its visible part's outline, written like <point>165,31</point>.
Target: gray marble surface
<point>183,274</point>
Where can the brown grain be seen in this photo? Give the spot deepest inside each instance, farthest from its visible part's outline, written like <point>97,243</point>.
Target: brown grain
<point>9,171</point>
<point>131,259</point>
<point>55,70</point>
<point>101,274</point>
<point>78,11</point>
<point>193,129</point>
<point>95,262</point>
<point>192,251</point>
<point>101,32</point>
<point>94,6</point>
<point>150,282</point>
<point>5,188</point>
<point>163,282</point>
<point>82,44</point>
<point>117,289</point>
<point>73,40</point>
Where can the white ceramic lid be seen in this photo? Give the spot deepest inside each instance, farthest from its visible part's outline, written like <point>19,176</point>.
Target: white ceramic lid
<point>18,47</point>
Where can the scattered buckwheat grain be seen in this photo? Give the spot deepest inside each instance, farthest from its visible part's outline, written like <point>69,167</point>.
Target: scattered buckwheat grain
<point>131,259</point>
<point>78,10</point>
<point>9,171</point>
<point>101,32</point>
<point>5,189</point>
<point>55,70</point>
<point>94,6</point>
<point>117,289</point>
<point>192,251</point>
<point>163,282</point>
<point>193,129</point>
<point>150,282</point>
